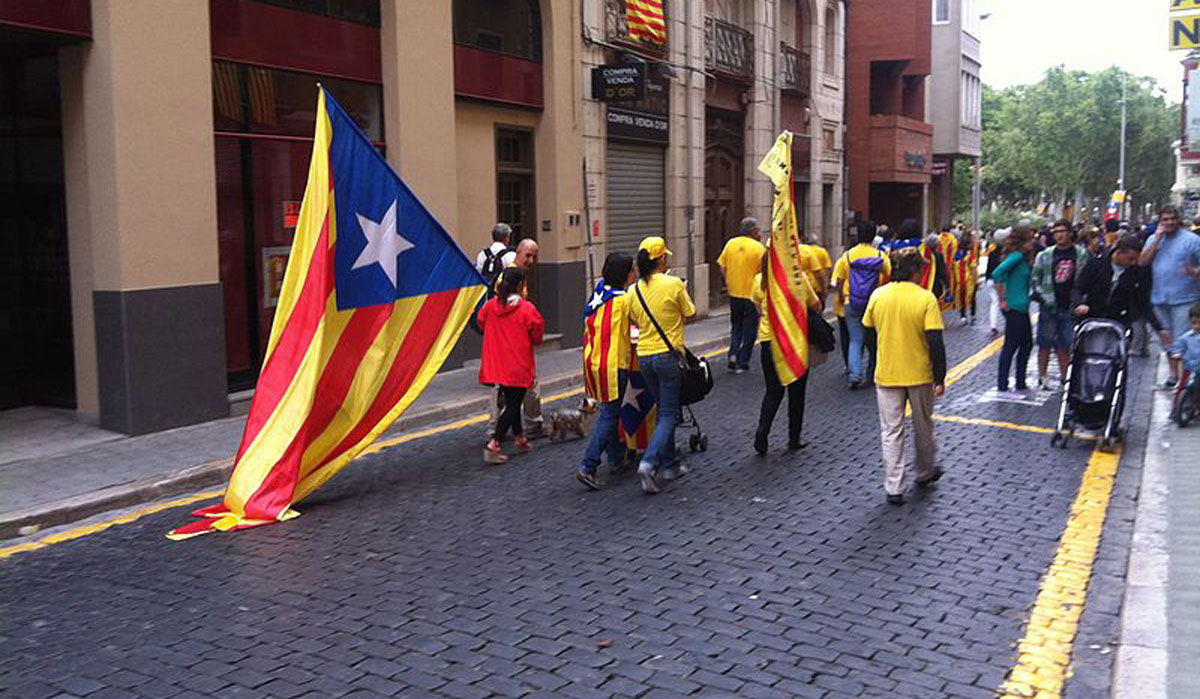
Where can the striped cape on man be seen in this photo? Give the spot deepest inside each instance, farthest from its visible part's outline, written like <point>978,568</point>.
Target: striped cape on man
<point>375,296</point>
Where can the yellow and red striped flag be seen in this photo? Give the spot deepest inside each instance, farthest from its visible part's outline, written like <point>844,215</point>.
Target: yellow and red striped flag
<point>375,296</point>
<point>786,281</point>
<point>647,23</point>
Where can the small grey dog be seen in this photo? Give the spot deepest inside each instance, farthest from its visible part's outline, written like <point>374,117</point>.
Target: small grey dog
<point>572,423</point>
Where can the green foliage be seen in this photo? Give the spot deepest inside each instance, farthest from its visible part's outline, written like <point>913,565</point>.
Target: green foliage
<point>1061,136</point>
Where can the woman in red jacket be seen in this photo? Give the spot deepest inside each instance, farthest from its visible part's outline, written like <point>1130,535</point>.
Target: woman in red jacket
<point>512,327</point>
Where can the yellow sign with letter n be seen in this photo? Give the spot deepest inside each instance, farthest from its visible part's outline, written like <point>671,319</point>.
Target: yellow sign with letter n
<point>1184,32</point>
<point>1179,5</point>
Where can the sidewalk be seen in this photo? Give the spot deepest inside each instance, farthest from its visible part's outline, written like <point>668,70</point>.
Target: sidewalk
<point>1159,647</point>
<point>105,471</point>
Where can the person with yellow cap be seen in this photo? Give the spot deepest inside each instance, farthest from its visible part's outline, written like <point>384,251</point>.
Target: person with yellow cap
<point>659,308</point>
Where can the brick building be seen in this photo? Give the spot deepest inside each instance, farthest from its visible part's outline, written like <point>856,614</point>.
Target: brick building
<point>889,150</point>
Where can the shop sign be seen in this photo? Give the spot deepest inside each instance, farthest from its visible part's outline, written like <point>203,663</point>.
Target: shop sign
<point>915,161</point>
<point>275,261</point>
<point>1184,32</point>
<point>619,83</point>
<point>940,167</point>
<point>636,126</point>
<point>1177,5</point>
<point>291,214</point>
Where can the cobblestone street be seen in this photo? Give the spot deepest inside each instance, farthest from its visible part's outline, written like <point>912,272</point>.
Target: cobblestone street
<point>421,571</point>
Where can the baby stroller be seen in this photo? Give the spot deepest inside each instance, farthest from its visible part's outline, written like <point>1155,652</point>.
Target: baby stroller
<point>1094,389</point>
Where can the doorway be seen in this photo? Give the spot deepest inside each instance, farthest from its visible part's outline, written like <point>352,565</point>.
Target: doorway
<point>37,355</point>
<point>724,189</point>
<point>515,203</point>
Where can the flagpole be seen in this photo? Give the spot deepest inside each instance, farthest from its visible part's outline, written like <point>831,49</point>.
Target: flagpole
<point>1121,172</point>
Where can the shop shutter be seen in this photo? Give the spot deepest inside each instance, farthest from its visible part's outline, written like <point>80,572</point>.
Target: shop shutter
<point>636,194</point>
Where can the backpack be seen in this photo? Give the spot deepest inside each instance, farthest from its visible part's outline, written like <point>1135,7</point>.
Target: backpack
<point>864,277</point>
<point>493,267</point>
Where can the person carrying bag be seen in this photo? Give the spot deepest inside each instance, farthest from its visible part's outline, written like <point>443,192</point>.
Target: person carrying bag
<point>663,304</point>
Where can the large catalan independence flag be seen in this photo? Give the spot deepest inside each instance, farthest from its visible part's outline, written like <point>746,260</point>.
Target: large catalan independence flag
<point>375,296</point>
<point>647,23</point>
<point>605,342</point>
<point>786,281</point>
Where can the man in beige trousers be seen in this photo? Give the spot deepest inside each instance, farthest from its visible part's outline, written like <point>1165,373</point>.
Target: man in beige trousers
<point>910,369</point>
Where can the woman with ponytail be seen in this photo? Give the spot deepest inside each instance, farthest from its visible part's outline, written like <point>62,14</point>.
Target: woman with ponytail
<point>659,307</point>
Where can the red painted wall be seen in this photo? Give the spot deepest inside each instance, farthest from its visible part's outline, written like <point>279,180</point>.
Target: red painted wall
<point>497,77</point>
<point>72,17</point>
<point>265,35</point>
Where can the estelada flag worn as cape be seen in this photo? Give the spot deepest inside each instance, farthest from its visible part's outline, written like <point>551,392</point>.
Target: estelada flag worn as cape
<point>785,282</point>
<point>639,411</point>
<point>605,342</point>
<point>375,295</point>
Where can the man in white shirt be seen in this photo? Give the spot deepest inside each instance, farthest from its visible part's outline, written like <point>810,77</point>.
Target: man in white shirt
<point>499,249</point>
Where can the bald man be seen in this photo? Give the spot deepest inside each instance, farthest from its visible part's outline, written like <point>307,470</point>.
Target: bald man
<point>526,259</point>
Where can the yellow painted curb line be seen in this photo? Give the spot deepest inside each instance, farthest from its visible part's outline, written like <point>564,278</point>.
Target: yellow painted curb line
<point>105,524</point>
<point>1044,654</point>
<point>375,448</point>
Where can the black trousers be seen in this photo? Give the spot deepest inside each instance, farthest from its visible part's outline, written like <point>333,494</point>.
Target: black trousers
<point>774,396</point>
<point>844,339</point>
<point>510,419</point>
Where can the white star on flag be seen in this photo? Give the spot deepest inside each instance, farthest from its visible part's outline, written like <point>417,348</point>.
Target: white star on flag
<point>384,243</point>
<point>596,301</point>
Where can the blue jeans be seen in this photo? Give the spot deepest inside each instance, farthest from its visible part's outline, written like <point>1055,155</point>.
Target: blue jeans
<point>858,338</point>
<point>1175,318</point>
<point>605,435</point>
<point>1056,329</point>
<point>662,379</point>
<point>743,329</point>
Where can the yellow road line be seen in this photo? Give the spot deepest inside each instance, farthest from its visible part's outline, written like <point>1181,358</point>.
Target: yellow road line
<point>105,524</point>
<point>379,446</point>
<point>993,423</point>
<point>1044,654</point>
<point>954,375</point>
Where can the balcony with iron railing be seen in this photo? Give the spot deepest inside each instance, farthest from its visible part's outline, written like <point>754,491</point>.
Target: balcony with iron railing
<point>728,49</point>
<point>797,70</point>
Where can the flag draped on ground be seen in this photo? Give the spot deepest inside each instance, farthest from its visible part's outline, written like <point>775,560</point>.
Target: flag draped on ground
<point>646,21</point>
<point>375,295</point>
<point>785,282</point>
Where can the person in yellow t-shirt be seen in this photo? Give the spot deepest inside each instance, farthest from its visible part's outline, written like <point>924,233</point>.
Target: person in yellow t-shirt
<point>660,301</point>
<point>820,267</point>
<point>774,389</point>
<point>740,261</point>
<point>850,302</point>
<point>911,370</point>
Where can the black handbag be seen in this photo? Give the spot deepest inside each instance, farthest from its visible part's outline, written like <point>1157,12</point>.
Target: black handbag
<point>695,378</point>
<point>820,332</point>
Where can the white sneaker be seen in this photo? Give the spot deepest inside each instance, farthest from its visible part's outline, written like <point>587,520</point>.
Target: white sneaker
<point>649,480</point>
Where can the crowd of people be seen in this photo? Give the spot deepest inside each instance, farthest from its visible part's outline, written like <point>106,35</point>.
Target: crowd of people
<point>889,291</point>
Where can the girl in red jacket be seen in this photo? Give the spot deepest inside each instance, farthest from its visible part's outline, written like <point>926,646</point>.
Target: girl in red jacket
<point>512,327</point>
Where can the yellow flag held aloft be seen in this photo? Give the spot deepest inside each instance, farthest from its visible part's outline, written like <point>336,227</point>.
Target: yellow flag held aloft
<point>785,274</point>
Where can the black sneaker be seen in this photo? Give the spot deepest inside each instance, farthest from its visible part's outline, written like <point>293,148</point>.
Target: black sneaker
<point>895,499</point>
<point>926,482</point>
<point>731,365</point>
<point>797,445</point>
<point>588,478</point>
<point>760,443</point>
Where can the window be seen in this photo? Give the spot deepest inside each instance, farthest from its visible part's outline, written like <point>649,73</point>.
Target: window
<point>509,27</point>
<point>970,19</point>
<point>831,32</point>
<point>941,11</point>
<point>971,101</point>
<point>357,11</point>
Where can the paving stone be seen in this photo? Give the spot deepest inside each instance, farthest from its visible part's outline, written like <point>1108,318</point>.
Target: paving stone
<point>419,570</point>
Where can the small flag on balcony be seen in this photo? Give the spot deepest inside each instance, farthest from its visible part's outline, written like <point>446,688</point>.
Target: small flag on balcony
<point>647,22</point>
